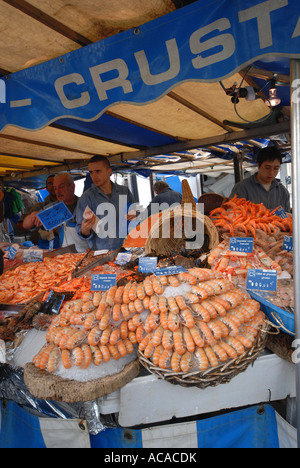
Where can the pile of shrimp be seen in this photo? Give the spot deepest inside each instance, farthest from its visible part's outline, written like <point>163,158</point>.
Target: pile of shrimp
<point>25,282</point>
<point>208,324</point>
<point>238,214</point>
<point>232,263</point>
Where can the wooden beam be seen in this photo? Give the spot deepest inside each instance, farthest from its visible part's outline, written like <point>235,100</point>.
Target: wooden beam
<point>48,21</point>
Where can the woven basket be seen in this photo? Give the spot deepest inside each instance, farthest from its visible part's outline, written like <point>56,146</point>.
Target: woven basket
<point>172,222</point>
<point>213,376</point>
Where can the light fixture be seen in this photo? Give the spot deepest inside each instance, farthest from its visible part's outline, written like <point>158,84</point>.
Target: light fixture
<point>273,100</point>
<point>248,93</point>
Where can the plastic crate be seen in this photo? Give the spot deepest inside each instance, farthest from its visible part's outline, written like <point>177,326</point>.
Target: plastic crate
<point>283,320</point>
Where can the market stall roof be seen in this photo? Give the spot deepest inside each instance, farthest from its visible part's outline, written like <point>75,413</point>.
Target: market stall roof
<point>190,113</point>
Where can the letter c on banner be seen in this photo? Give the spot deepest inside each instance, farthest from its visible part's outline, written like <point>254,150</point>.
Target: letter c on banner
<point>225,40</point>
<point>68,103</point>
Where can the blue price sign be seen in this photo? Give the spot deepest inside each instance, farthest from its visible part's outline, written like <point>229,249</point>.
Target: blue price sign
<point>147,264</point>
<point>241,244</point>
<point>287,243</point>
<point>54,216</point>
<point>103,282</point>
<point>172,270</point>
<point>280,212</point>
<point>263,280</point>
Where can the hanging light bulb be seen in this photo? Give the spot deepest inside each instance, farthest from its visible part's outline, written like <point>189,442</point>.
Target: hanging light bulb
<point>274,100</point>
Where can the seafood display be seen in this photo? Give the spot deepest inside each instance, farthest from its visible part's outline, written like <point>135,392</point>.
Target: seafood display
<point>238,214</point>
<point>177,321</point>
<point>30,279</point>
<point>236,264</point>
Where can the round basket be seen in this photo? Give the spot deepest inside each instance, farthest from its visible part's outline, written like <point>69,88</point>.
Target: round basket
<point>169,233</point>
<point>213,376</point>
<point>210,201</point>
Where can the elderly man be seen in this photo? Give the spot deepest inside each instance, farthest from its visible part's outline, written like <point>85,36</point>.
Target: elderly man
<point>64,187</point>
<point>102,210</point>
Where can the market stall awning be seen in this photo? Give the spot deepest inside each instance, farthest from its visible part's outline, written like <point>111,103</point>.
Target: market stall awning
<point>136,80</point>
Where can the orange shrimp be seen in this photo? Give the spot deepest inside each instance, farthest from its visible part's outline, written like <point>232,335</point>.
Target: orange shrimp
<point>187,318</point>
<point>87,356</point>
<point>125,311</point>
<point>42,357</point>
<point>175,362</point>
<point>172,304</point>
<point>145,341</point>
<point>132,326</point>
<point>97,357</point>
<point>138,304</point>
<point>220,352</point>
<point>197,337</point>
<point>119,295</point>
<point>77,356</point>
<point>115,336</point>
<point>125,298</point>
<point>137,320</point>
<point>188,339</point>
<point>132,337</point>
<point>76,339</point>
<point>120,345</point>
<point>104,339</point>
<point>157,285</point>
<point>94,336</point>
<point>132,292</point>
<point>146,302</point>
<point>154,321</point>
<point>153,304</point>
<point>199,291</point>
<point>237,345</point>
<point>157,336</point>
<point>186,362</point>
<point>215,329</point>
<point>210,309</point>
<point>162,304</point>
<point>148,286</point>
<point>234,330</point>
<point>129,345</point>
<point>173,281</point>
<point>66,359</point>
<point>179,342</point>
<point>211,356</point>
<point>123,330</point>
<point>149,349</point>
<point>181,302</point>
<point>116,312</point>
<point>105,353</point>
<point>65,337</point>
<point>140,291</point>
<point>228,349</point>
<point>201,312</point>
<point>167,339</point>
<point>246,342</point>
<point>90,321</point>
<point>187,278</point>
<point>156,354</point>
<point>201,359</point>
<point>165,359</point>
<point>105,319</point>
<point>221,311</point>
<point>208,336</point>
<point>192,297</point>
<point>224,329</point>
<point>173,321</point>
<point>113,352</point>
<point>164,317</point>
<point>97,298</point>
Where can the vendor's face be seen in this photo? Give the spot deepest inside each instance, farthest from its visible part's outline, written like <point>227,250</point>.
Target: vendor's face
<point>50,187</point>
<point>64,190</point>
<point>100,173</point>
<point>268,171</point>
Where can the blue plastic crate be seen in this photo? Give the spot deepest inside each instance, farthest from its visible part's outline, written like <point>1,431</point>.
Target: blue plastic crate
<point>279,317</point>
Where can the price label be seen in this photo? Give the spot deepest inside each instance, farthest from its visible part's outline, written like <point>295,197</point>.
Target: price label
<point>241,244</point>
<point>103,282</point>
<point>147,264</point>
<point>263,280</point>
<point>172,270</point>
<point>287,243</point>
<point>35,255</point>
<point>281,213</point>
<point>123,258</point>
<point>55,216</point>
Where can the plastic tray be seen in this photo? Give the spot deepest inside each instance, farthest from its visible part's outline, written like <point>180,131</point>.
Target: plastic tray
<point>283,320</point>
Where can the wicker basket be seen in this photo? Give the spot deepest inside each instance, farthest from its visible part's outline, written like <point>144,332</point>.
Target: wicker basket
<point>213,376</point>
<point>172,222</point>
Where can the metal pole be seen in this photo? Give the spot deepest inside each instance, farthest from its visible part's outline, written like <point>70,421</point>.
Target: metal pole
<point>295,130</point>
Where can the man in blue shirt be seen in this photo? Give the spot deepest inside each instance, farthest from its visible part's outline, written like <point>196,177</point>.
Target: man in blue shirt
<point>101,212</point>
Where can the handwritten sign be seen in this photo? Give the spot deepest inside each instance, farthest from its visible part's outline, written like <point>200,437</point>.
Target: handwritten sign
<point>54,216</point>
<point>172,270</point>
<point>241,244</point>
<point>103,282</point>
<point>263,280</point>
<point>147,264</point>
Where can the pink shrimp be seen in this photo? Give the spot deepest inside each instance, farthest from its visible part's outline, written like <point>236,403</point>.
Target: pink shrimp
<point>187,278</point>
<point>90,321</point>
<point>181,302</point>
<point>215,329</point>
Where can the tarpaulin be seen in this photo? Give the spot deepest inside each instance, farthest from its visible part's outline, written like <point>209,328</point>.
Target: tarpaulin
<point>206,41</point>
<point>254,427</point>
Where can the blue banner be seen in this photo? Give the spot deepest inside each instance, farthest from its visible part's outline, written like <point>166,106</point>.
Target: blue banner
<point>205,41</point>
